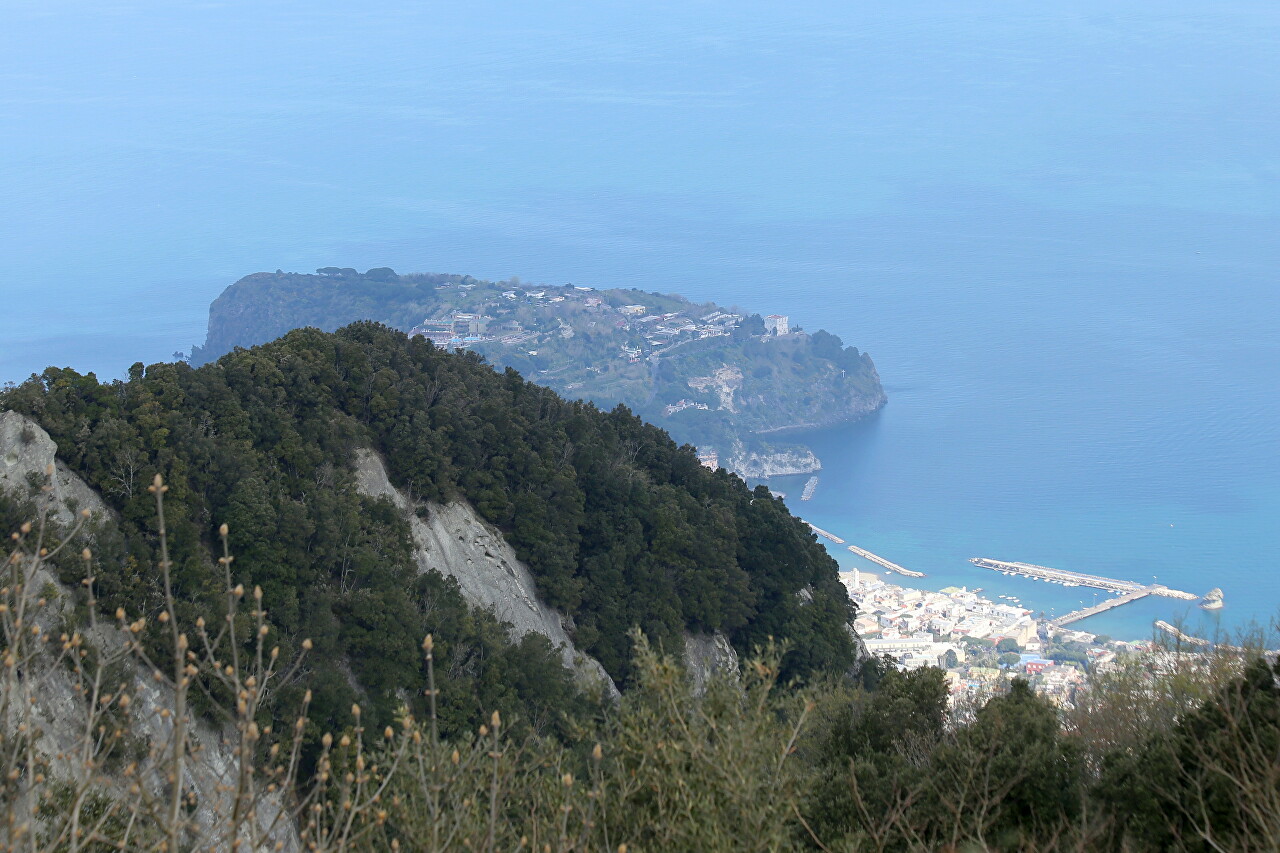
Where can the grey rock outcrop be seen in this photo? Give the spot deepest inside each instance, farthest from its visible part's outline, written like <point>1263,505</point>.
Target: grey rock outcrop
<point>708,655</point>
<point>457,543</point>
<point>755,464</point>
<point>27,454</point>
<point>57,714</point>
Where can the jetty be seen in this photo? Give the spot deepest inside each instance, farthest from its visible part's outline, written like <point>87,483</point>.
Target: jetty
<point>818,530</point>
<point>1100,607</point>
<point>809,488</point>
<point>1175,632</point>
<point>881,561</point>
<point>1066,578</point>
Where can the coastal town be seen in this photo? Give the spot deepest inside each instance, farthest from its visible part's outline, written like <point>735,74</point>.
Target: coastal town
<point>979,643</point>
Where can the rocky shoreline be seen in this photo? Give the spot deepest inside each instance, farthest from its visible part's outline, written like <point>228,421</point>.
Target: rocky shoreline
<point>762,464</point>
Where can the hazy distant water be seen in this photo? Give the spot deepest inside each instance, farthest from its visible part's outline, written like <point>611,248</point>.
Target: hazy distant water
<point>1054,229</point>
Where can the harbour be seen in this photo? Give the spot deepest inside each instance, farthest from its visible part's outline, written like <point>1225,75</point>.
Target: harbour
<point>1125,592</point>
<point>1122,591</point>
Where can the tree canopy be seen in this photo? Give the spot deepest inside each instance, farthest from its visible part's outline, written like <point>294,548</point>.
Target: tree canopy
<point>619,526</point>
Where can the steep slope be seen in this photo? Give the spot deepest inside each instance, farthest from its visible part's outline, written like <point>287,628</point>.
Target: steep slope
<point>618,527</point>
<point>29,457</point>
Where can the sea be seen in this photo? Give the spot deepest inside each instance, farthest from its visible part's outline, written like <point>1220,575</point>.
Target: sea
<point>1055,227</point>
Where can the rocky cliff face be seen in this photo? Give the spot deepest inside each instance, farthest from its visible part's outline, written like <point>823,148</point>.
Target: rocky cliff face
<point>709,655</point>
<point>58,713</point>
<point>28,458</point>
<point>456,542</point>
<point>757,464</point>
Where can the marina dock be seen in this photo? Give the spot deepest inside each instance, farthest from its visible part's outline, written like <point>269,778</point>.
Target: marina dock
<point>818,530</point>
<point>1066,578</point>
<point>881,561</point>
<point>1125,591</point>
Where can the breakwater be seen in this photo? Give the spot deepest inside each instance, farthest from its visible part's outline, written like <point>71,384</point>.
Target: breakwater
<point>1068,578</point>
<point>881,561</point>
<point>809,488</point>
<point>825,534</point>
<point>1101,607</point>
<point>1180,635</point>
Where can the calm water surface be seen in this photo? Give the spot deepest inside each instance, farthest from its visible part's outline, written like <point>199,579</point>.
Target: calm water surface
<point>1054,229</point>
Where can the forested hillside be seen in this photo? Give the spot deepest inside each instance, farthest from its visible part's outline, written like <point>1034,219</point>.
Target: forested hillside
<point>620,527</point>
<point>1171,751</point>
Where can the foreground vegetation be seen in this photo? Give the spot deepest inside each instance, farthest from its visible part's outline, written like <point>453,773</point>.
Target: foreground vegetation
<point>312,691</point>
<point>1186,758</point>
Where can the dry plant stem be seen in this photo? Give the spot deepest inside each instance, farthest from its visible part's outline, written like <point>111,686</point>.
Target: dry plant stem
<point>250,691</point>
<point>494,754</point>
<point>28,664</point>
<point>87,744</point>
<point>25,665</point>
<point>181,681</point>
<point>425,772</point>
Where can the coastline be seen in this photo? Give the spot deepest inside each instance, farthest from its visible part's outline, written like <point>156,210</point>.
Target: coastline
<point>828,423</point>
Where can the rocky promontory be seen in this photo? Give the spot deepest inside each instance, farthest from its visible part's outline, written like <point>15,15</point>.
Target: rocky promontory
<point>715,377</point>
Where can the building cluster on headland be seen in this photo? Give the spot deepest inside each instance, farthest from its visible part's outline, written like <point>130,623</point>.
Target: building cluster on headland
<point>978,642</point>
<point>655,331</point>
<point>592,343</point>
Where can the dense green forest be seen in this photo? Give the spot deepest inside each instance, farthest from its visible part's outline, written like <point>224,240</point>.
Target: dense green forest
<point>620,527</point>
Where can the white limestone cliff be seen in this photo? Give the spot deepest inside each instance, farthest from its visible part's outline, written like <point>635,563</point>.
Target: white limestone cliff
<point>756,464</point>
<point>457,543</point>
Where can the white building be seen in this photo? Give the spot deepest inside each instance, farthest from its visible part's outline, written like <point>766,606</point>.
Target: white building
<point>778,324</point>
<point>911,652</point>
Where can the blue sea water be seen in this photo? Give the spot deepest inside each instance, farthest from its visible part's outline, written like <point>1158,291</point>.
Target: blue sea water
<point>1056,229</point>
